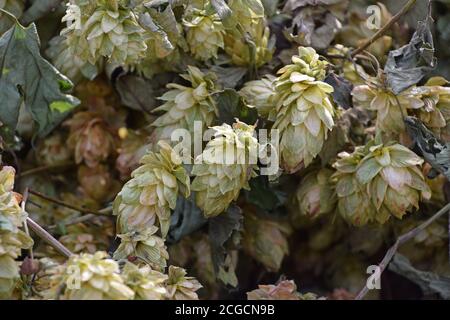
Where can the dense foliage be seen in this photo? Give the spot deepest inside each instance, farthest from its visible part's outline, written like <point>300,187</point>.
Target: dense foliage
<point>260,149</point>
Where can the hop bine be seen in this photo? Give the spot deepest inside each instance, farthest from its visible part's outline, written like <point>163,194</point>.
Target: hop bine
<point>224,167</point>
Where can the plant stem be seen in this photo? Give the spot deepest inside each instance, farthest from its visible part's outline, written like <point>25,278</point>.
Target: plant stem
<point>68,205</point>
<point>44,168</point>
<point>401,240</point>
<point>408,5</point>
<point>47,237</point>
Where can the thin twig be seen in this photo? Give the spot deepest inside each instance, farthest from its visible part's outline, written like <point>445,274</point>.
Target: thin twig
<point>44,169</point>
<point>385,28</point>
<point>25,226</point>
<point>47,237</point>
<point>68,205</point>
<point>83,218</point>
<point>401,240</point>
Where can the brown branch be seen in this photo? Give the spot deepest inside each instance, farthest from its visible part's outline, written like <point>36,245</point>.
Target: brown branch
<point>44,168</point>
<point>83,218</point>
<point>408,5</point>
<point>68,205</point>
<point>47,237</point>
<point>401,240</point>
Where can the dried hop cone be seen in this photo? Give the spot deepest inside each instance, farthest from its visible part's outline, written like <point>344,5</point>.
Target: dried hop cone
<point>152,192</point>
<point>146,283</point>
<point>180,287</point>
<point>303,113</point>
<point>185,105</point>
<point>315,196</point>
<point>12,239</point>
<point>225,167</point>
<point>388,175</point>
<point>144,245</point>
<point>204,33</point>
<point>92,277</point>
<point>104,28</point>
<point>284,290</point>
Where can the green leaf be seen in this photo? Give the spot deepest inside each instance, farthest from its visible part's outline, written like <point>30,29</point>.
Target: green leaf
<point>224,12</point>
<point>185,219</point>
<point>429,282</point>
<point>232,106</point>
<point>39,9</point>
<point>136,93</point>
<point>27,77</point>
<point>229,77</point>
<point>264,195</point>
<point>224,234</point>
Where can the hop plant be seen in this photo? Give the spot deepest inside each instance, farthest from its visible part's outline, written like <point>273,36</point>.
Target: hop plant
<point>388,175</point>
<point>143,245</point>
<point>15,7</point>
<point>147,284</point>
<point>180,287</point>
<point>152,192</point>
<point>12,239</point>
<point>390,108</point>
<point>185,105</point>
<point>105,28</point>
<point>91,277</point>
<point>315,196</point>
<point>258,94</point>
<point>224,167</point>
<point>53,151</point>
<point>204,33</point>
<point>303,111</point>
<point>284,290</point>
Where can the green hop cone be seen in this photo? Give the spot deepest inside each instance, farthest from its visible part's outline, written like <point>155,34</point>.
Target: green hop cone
<point>225,167</point>
<point>388,175</point>
<point>92,277</point>
<point>144,245</point>
<point>258,94</point>
<point>12,239</point>
<point>104,28</point>
<point>185,105</point>
<point>353,205</point>
<point>15,7</point>
<point>204,33</point>
<point>146,283</point>
<point>72,66</point>
<point>255,47</point>
<point>390,108</point>
<point>152,192</point>
<point>303,111</point>
<point>180,287</point>
<point>315,196</point>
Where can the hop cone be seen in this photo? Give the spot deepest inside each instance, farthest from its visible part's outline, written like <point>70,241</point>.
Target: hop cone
<point>146,283</point>
<point>284,290</point>
<point>145,246</point>
<point>92,277</point>
<point>204,33</point>
<point>353,205</point>
<point>14,7</point>
<point>53,151</point>
<point>69,64</point>
<point>104,28</point>
<point>258,94</point>
<point>224,167</point>
<point>303,112</point>
<point>314,195</point>
<point>184,105</point>
<point>152,192</point>
<point>180,287</point>
<point>258,52</point>
<point>388,175</point>
<point>386,104</point>
<point>12,239</point>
